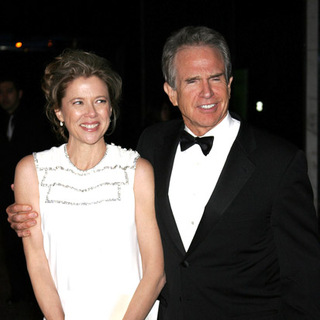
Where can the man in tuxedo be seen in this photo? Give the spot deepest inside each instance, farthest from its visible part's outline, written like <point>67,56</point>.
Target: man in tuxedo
<point>238,224</point>
<point>234,205</point>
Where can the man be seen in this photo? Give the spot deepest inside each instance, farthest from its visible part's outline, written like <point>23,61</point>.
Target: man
<point>236,214</point>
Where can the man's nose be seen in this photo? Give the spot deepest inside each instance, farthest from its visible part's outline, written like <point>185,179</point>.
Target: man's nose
<point>207,90</point>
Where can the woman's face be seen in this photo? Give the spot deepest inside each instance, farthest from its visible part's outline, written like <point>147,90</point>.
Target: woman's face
<point>86,110</point>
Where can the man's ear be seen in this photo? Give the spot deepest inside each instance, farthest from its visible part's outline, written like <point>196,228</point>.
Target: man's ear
<point>229,86</point>
<point>172,94</point>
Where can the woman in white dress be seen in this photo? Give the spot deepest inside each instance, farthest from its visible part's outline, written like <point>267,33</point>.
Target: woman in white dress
<point>80,269</point>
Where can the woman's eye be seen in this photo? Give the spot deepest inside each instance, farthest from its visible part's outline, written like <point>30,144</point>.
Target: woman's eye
<point>77,102</point>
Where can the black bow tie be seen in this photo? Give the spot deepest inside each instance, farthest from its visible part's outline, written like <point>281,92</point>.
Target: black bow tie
<point>187,141</point>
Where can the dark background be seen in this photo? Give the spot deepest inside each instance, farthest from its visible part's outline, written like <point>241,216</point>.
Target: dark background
<point>266,38</point>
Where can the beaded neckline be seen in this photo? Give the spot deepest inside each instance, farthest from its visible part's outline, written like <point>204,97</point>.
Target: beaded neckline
<point>67,156</point>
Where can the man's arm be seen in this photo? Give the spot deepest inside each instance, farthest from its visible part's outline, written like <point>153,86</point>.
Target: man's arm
<point>297,239</point>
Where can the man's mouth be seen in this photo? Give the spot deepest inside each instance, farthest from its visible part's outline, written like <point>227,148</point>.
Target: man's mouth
<point>208,106</point>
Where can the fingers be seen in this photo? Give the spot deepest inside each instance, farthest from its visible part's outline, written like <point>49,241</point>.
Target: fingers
<point>21,222</point>
<point>21,218</point>
<point>23,233</point>
<point>22,228</point>
<point>17,208</point>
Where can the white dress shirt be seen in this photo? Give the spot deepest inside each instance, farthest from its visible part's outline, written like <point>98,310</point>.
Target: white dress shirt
<point>194,177</point>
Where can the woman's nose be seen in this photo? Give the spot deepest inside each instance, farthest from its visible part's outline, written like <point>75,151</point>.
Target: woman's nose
<point>91,109</point>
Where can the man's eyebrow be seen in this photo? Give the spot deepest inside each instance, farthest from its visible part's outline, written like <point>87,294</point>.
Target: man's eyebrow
<point>217,75</point>
<point>192,78</point>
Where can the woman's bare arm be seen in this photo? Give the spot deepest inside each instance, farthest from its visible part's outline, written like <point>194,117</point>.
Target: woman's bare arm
<point>27,191</point>
<point>150,245</point>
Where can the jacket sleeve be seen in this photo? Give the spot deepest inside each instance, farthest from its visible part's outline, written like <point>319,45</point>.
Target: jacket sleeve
<point>295,226</point>
<point>144,147</point>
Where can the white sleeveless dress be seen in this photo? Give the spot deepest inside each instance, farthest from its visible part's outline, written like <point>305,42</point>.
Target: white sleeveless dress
<point>88,225</point>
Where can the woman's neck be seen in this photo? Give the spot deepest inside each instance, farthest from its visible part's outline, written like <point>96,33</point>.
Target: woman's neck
<point>86,156</point>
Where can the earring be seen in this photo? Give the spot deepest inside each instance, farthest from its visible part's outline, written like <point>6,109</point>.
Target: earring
<point>61,124</point>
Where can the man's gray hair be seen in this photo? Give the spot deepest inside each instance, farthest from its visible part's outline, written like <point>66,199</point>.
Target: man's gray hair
<point>193,36</point>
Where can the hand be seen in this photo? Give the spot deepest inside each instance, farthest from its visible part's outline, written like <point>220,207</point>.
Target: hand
<point>21,218</point>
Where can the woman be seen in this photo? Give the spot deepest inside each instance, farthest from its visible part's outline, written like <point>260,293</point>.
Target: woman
<point>80,269</point>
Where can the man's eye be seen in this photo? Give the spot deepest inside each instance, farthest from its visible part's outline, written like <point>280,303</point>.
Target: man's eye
<point>191,81</point>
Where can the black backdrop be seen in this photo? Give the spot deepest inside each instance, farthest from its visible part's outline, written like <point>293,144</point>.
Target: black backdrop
<point>267,41</point>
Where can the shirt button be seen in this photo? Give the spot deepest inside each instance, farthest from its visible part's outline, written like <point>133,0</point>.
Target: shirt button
<point>185,264</point>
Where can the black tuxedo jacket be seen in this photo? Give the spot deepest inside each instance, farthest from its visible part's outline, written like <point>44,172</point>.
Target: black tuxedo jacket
<point>256,252</point>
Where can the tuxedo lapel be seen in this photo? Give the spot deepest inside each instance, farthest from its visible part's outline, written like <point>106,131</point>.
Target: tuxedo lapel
<point>163,165</point>
<point>237,170</point>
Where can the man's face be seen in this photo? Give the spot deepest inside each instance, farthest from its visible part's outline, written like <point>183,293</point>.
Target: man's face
<point>9,96</point>
<point>202,93</point>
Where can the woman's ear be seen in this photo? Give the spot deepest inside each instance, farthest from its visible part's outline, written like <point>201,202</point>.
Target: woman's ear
<point>59,114</point>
